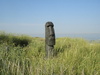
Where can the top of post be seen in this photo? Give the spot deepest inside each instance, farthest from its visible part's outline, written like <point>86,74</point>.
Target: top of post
<point>49,24</point>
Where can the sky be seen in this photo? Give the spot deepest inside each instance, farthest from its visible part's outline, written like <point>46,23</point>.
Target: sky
<point>68,16</point>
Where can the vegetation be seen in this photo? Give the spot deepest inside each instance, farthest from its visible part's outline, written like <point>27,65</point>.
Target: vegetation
<point>24,55</point>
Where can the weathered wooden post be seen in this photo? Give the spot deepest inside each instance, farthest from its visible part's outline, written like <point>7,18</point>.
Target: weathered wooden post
<point>49,39</point>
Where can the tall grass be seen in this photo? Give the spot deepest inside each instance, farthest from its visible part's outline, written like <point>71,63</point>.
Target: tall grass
<point>21,40</point>
<point>73,56</point>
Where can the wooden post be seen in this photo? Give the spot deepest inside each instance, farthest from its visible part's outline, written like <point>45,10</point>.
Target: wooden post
<point>49,39</point>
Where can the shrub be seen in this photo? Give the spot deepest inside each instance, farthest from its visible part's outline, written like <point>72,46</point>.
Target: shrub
<point>16,40</point>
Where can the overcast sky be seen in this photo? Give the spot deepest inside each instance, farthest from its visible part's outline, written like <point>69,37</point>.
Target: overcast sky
<point>68,16</point>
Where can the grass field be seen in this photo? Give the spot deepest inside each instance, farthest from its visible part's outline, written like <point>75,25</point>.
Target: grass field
<point>25,55</point>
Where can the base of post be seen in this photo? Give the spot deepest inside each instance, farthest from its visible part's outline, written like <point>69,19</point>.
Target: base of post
<point>49,51</point>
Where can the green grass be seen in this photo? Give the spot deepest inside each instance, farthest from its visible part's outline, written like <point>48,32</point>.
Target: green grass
<point>73,56</point>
